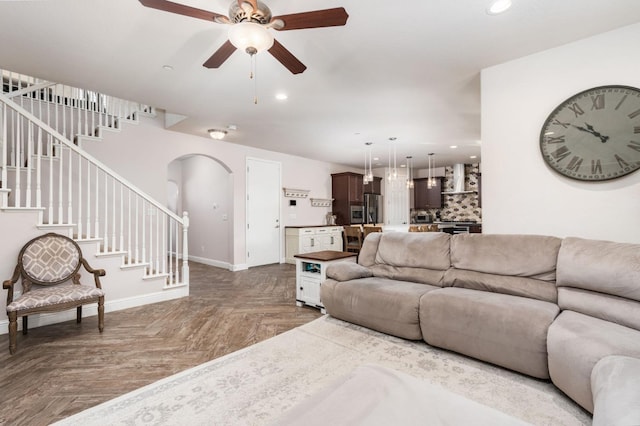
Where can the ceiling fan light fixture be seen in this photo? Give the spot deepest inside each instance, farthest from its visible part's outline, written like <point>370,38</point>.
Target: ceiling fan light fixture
<point>217,134</point>
<point>498,6</point>
<point>250,37</point>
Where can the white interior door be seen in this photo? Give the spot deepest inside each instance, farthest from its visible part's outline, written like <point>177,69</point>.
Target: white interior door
<point>263,212</point>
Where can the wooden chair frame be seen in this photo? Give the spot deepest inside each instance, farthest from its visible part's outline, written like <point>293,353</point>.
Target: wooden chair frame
<point>27,280</point>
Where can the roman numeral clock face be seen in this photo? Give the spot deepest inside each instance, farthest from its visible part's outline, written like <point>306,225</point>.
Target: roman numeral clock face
<point>594,135</point>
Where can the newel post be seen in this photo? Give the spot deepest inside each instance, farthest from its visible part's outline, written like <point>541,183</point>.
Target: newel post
<point>185,247</point>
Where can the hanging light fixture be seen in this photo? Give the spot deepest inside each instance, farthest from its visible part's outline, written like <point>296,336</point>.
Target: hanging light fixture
<point>368,171</point>
<point>431,179</point>
<point>250,37</point>
<point>393,172</point>
<point>410,182</point>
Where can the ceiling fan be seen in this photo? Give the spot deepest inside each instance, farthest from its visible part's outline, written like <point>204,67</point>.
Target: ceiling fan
<point>251,21</point>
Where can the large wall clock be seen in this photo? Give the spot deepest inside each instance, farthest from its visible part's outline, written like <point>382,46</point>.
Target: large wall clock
<point>594,135</point>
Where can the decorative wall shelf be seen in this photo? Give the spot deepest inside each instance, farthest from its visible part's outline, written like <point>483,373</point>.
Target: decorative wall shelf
<point>296,193</point>
<point>321,202</point>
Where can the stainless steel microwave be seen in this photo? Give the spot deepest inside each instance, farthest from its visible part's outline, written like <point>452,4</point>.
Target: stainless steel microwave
<point>356,214</point>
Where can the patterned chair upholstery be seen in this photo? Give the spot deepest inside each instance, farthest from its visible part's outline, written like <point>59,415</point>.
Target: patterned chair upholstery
<point>48,267</point>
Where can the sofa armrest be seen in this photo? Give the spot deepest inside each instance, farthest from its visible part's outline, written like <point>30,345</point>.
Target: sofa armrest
<point>616,394</point>
<point>345,271</point>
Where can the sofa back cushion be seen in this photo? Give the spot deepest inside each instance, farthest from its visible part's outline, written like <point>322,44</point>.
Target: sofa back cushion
<point>530,256</point>
<point>601,266</point>
<point>426,250</point>
<point>610,308</point>
<point>367,255</point>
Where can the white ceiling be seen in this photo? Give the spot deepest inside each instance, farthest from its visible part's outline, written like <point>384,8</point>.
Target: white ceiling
<point>407,69</point>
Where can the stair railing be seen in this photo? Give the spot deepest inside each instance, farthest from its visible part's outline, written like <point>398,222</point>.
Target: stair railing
<point>42,169</point>
<point>72,111</point>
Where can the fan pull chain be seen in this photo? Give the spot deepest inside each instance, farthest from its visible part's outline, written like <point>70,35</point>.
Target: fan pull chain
<point>254,76</point>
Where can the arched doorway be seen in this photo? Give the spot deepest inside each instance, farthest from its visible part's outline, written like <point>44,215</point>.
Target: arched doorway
<point>203,186</point>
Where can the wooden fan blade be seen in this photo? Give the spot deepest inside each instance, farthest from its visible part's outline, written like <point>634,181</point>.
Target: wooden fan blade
<point>316,19</point>
<point>220,56</point>
<point>181,9</point>
<point>286,58</point>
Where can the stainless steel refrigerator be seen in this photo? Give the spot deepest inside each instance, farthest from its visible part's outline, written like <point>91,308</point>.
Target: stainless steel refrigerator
<point>372,208</point>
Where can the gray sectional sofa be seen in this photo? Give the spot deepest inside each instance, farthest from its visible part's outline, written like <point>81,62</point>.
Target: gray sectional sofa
<point>567,310</point>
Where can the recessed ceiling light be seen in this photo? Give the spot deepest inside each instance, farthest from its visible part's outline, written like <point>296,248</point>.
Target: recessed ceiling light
<point>217,133</point>
<point>167,67</point>
<point>403,165</point>
<point>498,6</point>
<point>473,156</point>
<point>281,96</point>
<point>376,159</point>
<point>453,146</point>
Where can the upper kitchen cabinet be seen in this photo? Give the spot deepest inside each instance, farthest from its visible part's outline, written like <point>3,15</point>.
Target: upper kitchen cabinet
<point>346,191</point>
<point>427,198</point>
<point>374,187</point>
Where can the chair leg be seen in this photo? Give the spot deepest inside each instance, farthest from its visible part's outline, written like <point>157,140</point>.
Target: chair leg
<point>25,324</point>
<point>79,314</point>
<point>101,314</point>
<point>13,331</point>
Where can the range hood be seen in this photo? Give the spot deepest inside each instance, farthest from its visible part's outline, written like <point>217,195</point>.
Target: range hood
<point>458,181</point>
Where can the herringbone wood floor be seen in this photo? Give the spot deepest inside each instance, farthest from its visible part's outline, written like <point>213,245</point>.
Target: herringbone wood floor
<point>62,369</point>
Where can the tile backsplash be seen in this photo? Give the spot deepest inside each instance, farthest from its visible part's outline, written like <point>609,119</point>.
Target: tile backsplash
<point>460,207</point>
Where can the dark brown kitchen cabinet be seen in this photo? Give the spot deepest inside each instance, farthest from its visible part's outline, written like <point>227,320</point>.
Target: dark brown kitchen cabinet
<point>346,191</point>
<point>374,187</point>
<point>427,198</point>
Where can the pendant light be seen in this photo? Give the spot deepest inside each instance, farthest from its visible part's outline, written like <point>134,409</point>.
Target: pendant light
<point>410,182</point>
<point>393,172</point>
<point>368,171</point>
<point>431,180</point>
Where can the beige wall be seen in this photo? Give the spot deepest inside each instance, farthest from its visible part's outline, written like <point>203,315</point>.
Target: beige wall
<point>520,194</point>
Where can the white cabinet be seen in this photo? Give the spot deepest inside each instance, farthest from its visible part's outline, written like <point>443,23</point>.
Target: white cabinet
<point>311,239</point>
<point>311,272</point>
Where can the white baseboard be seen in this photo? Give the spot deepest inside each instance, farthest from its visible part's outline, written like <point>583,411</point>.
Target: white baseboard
<point>239,267</point>
<point>211,262</point>
<point>39,320</point>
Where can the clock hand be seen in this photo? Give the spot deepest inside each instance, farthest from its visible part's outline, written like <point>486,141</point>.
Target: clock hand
<point>590,129</point>
<point>602,137</point>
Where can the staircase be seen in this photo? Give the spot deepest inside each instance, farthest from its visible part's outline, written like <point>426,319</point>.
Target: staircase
<point>45,173</point>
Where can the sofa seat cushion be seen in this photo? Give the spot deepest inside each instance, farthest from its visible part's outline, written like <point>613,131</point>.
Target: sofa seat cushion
<point>615,383</point>
<point>515,286</point>
<point>54,296</point>
<point>576,342</point>
<point>509,331</point>
<point>385,305</point>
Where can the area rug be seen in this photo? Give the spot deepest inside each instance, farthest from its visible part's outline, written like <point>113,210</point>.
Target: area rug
<point>261,383</point>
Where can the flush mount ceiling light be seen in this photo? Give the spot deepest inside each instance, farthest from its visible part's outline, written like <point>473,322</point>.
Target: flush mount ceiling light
<point>217,134</point>
<point>498,6</point>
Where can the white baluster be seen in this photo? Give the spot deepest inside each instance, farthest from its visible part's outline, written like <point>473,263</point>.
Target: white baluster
<point>130,253</point>
<point>39,170</point>
<point>69,189</point>
<point>144,241</point>
<point>96,212</point>
<point>89,199</point>
<point>185,248</point>
<point>79,217</point>
<point>29,166</point>
<point>18,156</point>
<point>105,220</point>
<point>113,214</point>
<point>50,202</point>
<point>60,178</point>
<point>121,217</point>
<point>137,233</point>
